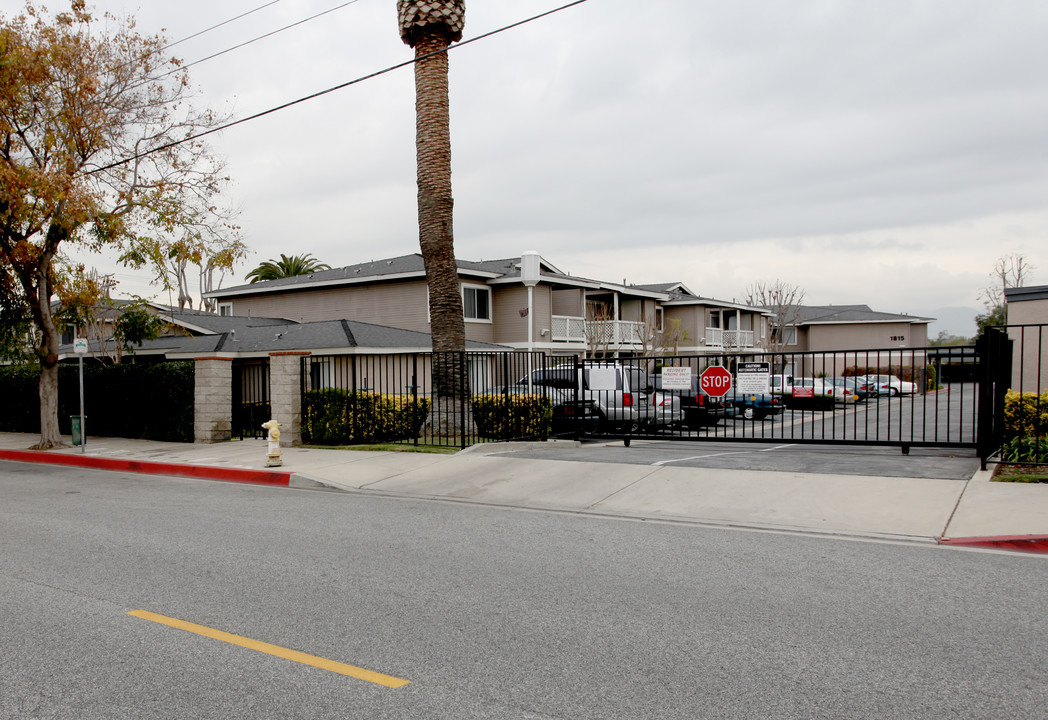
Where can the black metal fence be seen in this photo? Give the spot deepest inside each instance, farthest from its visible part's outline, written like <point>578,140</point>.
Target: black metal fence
<point>1017,428</point>
<point>888,397</point>
<point>965,397</point>
<point>439,399</point>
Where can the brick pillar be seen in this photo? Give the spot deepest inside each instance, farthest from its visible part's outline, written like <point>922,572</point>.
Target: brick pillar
<point>213,400</point>
<point>285,394</point>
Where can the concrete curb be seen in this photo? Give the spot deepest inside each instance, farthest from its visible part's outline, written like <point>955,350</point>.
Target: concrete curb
<point>1021,543</point>
<point>205,472</point>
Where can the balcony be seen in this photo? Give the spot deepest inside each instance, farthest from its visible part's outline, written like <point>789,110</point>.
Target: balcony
<point>729,338</point>
<point>596,334</point>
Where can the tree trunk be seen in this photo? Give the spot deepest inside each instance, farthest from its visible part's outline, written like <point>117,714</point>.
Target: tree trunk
<point>435,204</point>
<point>47,349</point>
<point>450,412</point>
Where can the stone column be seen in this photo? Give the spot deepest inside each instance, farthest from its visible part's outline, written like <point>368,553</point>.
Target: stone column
<point>213,400</point>
<point>285,395</point>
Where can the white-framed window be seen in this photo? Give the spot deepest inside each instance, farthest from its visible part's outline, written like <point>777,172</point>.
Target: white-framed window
<point>660,319</point>
<point>476,303</point>
<point>225,309</point>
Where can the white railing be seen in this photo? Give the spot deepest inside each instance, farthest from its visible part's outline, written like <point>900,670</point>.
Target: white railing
<point>614,333</point>
<point>729,338</point>
<point>598,334</point>
<point>568,329</point>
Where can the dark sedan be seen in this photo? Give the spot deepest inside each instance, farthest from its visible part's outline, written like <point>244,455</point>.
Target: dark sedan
<point>753,406</point>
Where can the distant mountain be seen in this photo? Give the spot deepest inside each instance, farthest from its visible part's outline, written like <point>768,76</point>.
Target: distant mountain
<point>958,321</point>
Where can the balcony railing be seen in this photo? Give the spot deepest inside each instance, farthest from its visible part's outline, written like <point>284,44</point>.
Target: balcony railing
<point>603,333</point>
<point>729,338</point>
<point>568,329</point>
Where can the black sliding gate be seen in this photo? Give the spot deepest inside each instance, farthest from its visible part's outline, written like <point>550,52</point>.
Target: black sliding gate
<point>947,397</point>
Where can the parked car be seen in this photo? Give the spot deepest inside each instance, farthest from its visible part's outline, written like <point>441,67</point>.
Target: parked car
<point>866,385</point>
<point>753,406</point>
<point>847,390</point>
<point>624,396</point>
<point>891,385</point>
<point>821,387</point>
<point>697,408</point>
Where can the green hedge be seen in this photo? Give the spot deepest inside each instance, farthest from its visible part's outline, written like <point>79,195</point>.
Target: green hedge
<point>344,417</point>
<point>152,401</point>
<point>508,417</point>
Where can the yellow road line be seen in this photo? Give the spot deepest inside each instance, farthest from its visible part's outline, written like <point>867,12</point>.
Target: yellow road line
<point>319,662</point>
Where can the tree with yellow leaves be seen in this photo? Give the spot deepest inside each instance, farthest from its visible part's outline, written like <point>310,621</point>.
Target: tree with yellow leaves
<point>97,150</point>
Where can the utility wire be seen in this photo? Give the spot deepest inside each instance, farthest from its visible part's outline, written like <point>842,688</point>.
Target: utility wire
<point>315,95</point>
<point>246,42</point>
<point>215,27</point>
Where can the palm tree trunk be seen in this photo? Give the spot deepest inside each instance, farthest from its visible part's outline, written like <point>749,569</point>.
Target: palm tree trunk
<point>435,203</point>
<point>436,238</point>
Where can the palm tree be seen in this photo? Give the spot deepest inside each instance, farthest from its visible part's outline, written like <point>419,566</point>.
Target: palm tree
<point>430,26</point>
<point>287,267</point>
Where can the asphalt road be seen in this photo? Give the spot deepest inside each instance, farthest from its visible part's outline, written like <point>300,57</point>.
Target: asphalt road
<point>489,613</point>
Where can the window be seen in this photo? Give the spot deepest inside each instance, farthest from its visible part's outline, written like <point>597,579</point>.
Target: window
<point>225,309</point>
<point>789,334</point>
<point>476,303</point>
<point>660,319</point>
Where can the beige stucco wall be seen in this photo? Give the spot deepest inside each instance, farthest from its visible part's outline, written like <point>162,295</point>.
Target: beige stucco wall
<point>569,303</point>
<point>866,336</point>
<point>509,326</point>
<point>1029,345</point>
<point>402,305</point>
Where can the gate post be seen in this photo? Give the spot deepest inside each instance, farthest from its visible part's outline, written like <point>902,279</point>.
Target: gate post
<point>213,399</point>
<point>285,394</point>
<point>994,350</point>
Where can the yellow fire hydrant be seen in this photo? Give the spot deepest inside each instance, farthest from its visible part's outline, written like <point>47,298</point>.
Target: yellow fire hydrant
<point>273,458</point>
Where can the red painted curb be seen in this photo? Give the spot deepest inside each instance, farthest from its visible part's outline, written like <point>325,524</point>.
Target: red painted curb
<point>1021,543</point>
<point>207,472</point>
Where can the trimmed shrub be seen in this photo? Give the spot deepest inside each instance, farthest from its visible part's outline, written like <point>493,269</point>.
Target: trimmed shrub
<point>1025,426</point>
<point>1025,414</point>
<point>508,417</point>
<point>344,417</point>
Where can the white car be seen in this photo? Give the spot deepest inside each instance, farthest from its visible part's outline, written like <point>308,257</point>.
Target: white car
<point>891,385</point>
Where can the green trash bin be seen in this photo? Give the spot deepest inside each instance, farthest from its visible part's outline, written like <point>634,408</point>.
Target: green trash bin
<point>74,421</point>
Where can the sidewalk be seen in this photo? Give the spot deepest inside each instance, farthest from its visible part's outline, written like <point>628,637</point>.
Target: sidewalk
<point>977,512</point>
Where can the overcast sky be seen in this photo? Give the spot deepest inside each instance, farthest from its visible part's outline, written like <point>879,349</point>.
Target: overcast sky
<point>882,152</point>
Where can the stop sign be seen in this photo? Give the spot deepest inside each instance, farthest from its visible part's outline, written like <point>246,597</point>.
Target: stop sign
<point>715,381</point>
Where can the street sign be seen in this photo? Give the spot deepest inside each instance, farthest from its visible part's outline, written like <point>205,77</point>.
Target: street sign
<point>715,381</point>
<point>676,378</point>
<point>753,377</point>
<point>80,346</point>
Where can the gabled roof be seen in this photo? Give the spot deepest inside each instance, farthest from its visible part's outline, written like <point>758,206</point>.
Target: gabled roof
<point>841,314</point>
<point>679,294</point>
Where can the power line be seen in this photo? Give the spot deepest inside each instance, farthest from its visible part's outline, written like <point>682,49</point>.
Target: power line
<point>321,93</point>
<point>246,42</point>
<point>215,27</point>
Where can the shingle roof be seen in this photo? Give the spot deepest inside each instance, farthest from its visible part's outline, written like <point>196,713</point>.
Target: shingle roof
<point>249,336</point>
<point>816,314</point>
